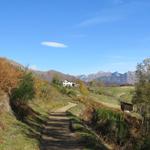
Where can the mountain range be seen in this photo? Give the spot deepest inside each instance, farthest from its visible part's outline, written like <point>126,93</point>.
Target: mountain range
<point>110,78</point>
<point>105,77</point>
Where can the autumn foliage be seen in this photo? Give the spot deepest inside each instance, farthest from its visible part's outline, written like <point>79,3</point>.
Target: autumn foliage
<point>9,76</point>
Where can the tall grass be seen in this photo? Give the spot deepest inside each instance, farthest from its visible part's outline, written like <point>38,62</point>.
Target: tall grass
<point>110,124</point>
<point>86,136</point>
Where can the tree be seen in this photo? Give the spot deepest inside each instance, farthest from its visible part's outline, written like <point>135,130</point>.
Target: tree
<point>25,91</point>
<point>141,97</point>
<point>142,87</point>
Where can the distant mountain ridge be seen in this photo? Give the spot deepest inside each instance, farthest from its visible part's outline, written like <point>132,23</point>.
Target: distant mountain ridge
<point>105,77</point>
<point>110,78</point>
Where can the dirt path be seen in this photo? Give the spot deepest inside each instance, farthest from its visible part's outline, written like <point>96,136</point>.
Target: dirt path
<point>67,107</point>
<point>56,133</point>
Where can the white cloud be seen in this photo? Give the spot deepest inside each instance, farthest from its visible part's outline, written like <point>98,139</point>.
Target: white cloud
<point>33,67</point>
<point>54,44</point>
<point>98,20</point>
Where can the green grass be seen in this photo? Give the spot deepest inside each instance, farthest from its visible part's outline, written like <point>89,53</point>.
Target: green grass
<point>118,91</point>
<point>78,109</point>
<point>21,136</point>
<point>113,95</point>
<point>104,98</point>
<point>86,136</point>
<point>14,135</point>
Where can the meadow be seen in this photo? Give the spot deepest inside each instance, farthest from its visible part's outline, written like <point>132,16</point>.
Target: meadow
<point>111,96</point>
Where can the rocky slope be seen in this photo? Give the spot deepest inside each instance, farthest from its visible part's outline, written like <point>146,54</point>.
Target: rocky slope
<point>110,78</point>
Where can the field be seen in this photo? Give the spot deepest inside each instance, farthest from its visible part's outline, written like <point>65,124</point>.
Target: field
<point>111,96</point>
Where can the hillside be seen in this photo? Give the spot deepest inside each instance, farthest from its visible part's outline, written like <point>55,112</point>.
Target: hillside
<point>45,75</point>
<point>46,114</point>
<point>49,75</point>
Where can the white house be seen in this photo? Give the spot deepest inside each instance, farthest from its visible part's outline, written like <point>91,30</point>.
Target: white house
<point>68,84</point>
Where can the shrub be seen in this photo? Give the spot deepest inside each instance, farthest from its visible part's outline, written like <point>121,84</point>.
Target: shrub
<point>110,124</point>
<point>25,90</point>
<point>83,88</point>
<point>67,91</point>
<point>21,95</point>
<point>56,82</point>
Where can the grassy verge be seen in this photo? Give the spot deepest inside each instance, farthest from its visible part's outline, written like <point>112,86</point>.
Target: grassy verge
<point>87,137</point>
<point>17,135</point>
<point>78,109</point>
<point>14,134</point>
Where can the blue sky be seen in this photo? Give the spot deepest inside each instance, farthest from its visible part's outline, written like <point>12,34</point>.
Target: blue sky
<point>75,36</point>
